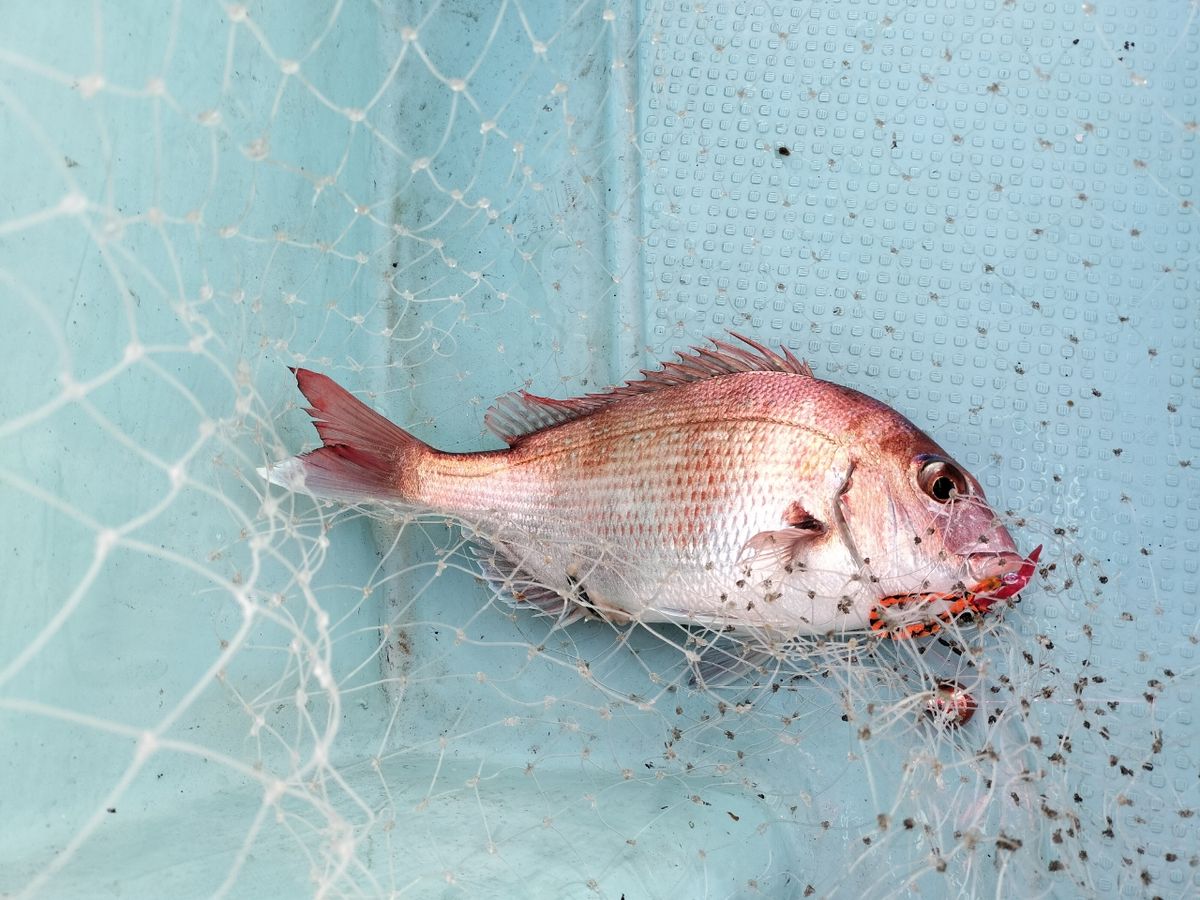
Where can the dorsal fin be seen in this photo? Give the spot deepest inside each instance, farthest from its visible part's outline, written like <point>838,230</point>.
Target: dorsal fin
<point>521,413</point>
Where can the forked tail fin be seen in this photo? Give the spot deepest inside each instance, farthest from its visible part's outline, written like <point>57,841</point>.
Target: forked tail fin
<point>364,457</point>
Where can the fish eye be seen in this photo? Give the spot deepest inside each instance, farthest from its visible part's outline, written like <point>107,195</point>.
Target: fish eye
<point>941,480</point>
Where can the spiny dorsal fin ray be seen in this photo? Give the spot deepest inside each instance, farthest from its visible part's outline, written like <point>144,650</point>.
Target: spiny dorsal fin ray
<point>521,413</point>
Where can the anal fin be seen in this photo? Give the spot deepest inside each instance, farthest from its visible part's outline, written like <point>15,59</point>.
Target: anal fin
<point>521,590</point>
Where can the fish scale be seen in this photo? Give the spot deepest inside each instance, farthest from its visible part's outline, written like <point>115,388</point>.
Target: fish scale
<point>730,488</point>
<point>666,498</point>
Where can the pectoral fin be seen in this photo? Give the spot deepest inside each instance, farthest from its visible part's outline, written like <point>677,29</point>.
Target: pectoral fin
<point>727,662</point>
<point>740,657</point>
<point>785,546</point>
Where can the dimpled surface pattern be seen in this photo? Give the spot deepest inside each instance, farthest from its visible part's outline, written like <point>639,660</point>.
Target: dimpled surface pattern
<point>984,214</point>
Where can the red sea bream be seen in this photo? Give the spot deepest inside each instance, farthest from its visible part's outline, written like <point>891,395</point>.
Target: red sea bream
<point>731,489</point>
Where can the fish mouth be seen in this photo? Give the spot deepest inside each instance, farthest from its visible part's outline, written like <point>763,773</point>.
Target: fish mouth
<point>1000,576</point>
<point>996,576</point>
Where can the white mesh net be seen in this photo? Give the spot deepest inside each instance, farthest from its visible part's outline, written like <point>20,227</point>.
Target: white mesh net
<point>980,213</point>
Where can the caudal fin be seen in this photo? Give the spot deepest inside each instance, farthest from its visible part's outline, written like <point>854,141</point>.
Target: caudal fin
<point>364,457</point>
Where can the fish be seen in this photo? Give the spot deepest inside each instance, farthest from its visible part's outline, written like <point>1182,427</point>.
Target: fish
<point>731,488</point>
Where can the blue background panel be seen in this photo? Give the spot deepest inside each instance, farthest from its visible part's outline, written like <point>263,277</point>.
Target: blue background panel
<point>980,212</point>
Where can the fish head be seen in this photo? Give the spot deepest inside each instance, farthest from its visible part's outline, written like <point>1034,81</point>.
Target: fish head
<point>922,528</point>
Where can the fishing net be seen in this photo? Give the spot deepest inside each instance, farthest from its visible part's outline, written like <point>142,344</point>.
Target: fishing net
<point>980,213</point>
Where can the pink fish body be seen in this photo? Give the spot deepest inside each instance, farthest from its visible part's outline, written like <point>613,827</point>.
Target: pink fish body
<point>731,489</point>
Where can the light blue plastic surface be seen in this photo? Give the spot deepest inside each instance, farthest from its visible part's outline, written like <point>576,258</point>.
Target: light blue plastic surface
<point>981,212</point>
